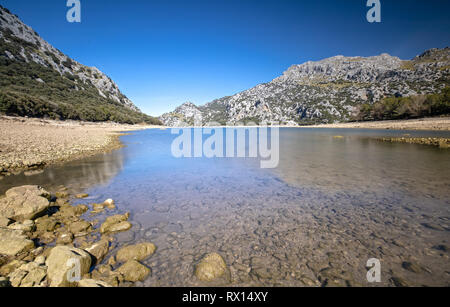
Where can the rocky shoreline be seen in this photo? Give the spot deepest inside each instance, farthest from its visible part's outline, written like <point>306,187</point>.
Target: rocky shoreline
<point>427,124</point>
<point>47,242</point>
<point>443,143</point>
<point>29,144</point>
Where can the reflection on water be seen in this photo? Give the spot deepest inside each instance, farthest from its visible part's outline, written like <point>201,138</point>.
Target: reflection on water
<point>78,175</point>
<point>332,204</point>
<point>355,163</point>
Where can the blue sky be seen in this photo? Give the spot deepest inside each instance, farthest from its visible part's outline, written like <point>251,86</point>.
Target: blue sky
<point>163,53</point>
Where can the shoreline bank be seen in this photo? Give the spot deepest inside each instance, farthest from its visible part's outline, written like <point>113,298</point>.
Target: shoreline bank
<point>423,124</point>
<point>30,143</point>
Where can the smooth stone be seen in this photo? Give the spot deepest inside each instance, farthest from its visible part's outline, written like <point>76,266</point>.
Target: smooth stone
<point>116,223</point>
<point>211,267</point>
<point>80,227</point>
<point>133,271</point>
<point>80,196</point>
<point>109,203</point>
<point>135,252</point>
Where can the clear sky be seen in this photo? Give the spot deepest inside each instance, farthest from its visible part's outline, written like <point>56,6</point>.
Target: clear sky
<point>163,53</point>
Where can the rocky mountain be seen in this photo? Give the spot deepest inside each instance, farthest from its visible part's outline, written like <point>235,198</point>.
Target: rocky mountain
<point>36,79</point>
<point>325,91</point>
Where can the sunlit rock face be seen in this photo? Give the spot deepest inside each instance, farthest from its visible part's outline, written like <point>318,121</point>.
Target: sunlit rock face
<point>325,91</point>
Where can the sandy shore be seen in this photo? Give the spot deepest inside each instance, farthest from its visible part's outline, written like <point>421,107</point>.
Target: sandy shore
<point>27,143</point>
<point>435,123</point>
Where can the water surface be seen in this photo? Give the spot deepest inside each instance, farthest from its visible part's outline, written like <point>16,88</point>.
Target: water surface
<point>332,204</point>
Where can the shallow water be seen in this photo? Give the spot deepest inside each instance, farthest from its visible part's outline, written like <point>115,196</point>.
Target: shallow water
<point>332,204</point>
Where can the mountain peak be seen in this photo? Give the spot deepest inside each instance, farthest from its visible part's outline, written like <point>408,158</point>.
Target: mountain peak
<point>66,87</point>
<point>328,90</point>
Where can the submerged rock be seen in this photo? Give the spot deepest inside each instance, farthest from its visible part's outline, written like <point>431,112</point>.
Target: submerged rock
<point>24,203</point>
<point>133,271</point>
<point>109,203</point>
<point>135,252</point>
<point>211,267</point>
<point>13,242</point>
<point>80,196</point>
<point>116,223</point>
<point>63,261</point>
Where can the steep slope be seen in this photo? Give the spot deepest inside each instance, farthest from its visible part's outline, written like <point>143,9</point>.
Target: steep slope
<point>38,80</point>
<point>328,90</point>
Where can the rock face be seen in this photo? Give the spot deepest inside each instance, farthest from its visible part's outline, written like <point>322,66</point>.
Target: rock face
<point>324,91</point>
<point>14,242</point>
<point>211,267</point>
<point>24,203</point>
<point>67,264</point>
<point>135,252</point>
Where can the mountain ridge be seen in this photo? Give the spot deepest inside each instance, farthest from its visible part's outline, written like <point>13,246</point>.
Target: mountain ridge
<point>325,91</point>
<point>38,80</point>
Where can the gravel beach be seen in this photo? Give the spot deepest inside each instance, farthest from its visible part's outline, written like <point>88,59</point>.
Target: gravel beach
<point>27,143</point>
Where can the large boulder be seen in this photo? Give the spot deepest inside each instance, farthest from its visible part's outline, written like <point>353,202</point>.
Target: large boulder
<point>14,242</point>
<point>133,271</point>
<point>135,252</point>
<point>66,265</point>
<point>24,203</point>
<point>211,267</point>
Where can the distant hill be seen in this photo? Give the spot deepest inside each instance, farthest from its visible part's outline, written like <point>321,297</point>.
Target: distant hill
<point>326,91</point>
<point>38,80</point>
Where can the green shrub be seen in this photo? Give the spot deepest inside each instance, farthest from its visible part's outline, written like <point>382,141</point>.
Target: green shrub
<point>405,107</point>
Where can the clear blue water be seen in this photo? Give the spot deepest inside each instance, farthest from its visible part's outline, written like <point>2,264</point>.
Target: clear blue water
<point>329,206</point>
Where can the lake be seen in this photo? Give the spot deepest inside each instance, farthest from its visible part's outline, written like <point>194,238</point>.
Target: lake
<point>330,205</point>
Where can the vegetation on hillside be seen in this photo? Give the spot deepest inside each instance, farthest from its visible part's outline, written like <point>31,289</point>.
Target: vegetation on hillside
<point>405,107</point>
<point>31,89</point>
